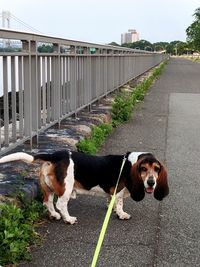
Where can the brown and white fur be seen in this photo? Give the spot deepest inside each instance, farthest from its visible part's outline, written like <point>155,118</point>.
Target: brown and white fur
<point>66,173</point>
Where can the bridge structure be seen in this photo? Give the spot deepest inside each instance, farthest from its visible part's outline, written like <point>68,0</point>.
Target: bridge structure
<point>39,88</point>
<point>10,21</point>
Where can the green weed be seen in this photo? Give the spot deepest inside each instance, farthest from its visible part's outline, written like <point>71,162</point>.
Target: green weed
<point>87,146</point>
<point>121,109</point>
<point>92,144</point>
<point>17,230</point>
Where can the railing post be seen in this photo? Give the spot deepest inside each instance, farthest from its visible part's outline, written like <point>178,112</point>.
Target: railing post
<point>27,91</point>
<point>110,70</point>
<point>73,77</point>
<point>104,71</point>
<point>13,99</point>
<point>85,76</point>
<point>34,86</point>
<point>97,74</point>
<point>5,101</point>
<point>30,90</point>
<point>89,75</point>
<point>21,97</point>
<point>56,96</point>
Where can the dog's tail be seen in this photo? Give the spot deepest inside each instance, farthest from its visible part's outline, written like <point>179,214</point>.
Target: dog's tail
<point>57,156</point>
<point>17,156</point>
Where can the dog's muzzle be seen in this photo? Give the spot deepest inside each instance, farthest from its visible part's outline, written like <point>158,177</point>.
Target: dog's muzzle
<point>150,185</point>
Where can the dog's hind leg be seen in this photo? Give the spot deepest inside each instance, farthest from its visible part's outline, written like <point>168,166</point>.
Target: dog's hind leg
<point>62,206</point>
<point>48,198</point>
<point>48,202</point>
<point>62,202</point>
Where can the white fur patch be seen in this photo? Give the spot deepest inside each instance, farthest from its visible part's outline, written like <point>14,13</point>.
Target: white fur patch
<point>17,156</point>
<point>45,170</point>
<point>62,202</point>
<point>133,156</point>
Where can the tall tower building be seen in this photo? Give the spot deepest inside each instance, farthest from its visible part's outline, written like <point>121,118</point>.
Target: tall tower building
<point>6,24</point>
<point>130,37</point>
<point>5,19</point>
<point>134,35</point>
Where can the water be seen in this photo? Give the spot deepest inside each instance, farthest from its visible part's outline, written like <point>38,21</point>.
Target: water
<point>1,77</point>
<point>16,82</point>
<point>9,74</point>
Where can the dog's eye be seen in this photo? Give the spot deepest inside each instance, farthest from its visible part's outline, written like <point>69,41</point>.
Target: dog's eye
<point>156,169</point>
<point>143,169</point>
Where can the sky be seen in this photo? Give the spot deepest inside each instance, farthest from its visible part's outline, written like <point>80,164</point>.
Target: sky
<point>102,22</point>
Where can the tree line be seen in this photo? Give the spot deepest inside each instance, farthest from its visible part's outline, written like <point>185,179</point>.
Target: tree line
<point>174,47</point>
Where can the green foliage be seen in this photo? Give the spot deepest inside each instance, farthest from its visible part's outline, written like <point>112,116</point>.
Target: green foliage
<point>193,31</point>
<point>196,59</point>
<point>87,146</point>
<point>121,109</point>
<point>99,133</point>
<point>160,46</point>
<point>173,48</point>
<point>114,44</point>
<point>92,144</point>
<point>142,45</point>
<point>177,48</point>
<point>10,49</point>
<point>17,231</point>
<point>45,48</point>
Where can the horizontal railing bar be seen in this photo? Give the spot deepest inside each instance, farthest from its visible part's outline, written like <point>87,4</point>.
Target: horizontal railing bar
<point>9,54</point>
<point>28,36</point>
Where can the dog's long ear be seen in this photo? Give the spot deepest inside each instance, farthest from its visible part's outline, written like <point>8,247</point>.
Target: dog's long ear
<point>136,184</point>
<point>162,188</point>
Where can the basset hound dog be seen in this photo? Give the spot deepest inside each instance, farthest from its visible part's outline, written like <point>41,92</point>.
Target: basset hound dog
<point>66,173</point>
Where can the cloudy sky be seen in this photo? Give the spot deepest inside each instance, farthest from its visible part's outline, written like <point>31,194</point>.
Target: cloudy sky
<point>104,21</point>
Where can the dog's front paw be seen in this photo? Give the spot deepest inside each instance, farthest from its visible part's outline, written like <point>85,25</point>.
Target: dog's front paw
<point>124,216</point>
<point>71,220</point>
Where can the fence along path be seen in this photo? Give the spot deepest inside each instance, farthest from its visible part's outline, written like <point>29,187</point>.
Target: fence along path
<point>39,89</point>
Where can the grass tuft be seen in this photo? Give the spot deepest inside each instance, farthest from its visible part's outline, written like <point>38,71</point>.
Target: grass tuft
<point>98,136</point>
<point>17,230</point>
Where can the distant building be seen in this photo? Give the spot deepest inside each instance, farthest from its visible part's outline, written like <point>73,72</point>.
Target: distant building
<point>129,37</point>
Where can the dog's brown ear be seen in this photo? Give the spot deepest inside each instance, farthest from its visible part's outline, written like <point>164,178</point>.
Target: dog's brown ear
<point>136,185</point>
<point>162,188</point>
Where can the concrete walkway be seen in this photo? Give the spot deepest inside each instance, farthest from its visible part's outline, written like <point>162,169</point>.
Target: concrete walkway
<point>159,234</point>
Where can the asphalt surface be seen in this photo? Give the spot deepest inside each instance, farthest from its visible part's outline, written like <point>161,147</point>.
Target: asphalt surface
<point>159,234</point>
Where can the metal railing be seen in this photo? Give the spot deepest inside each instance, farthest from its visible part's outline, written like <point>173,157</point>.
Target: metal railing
<point>39,89</point>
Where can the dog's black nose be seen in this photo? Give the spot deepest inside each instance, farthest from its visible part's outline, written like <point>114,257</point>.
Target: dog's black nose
<point>151,181</point>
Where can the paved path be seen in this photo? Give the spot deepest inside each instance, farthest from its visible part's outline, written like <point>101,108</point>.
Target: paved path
<point>160,233</point>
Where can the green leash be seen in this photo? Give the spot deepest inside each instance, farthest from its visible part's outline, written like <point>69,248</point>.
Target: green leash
<point>106,220</point>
